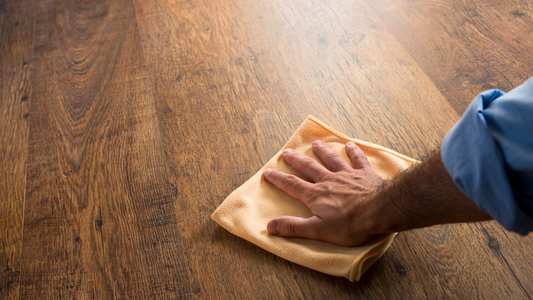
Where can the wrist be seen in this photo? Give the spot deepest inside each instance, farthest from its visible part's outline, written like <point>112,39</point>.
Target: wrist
<point>379,218</point>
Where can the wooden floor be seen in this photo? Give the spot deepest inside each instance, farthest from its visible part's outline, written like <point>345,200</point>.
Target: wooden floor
<point>125,123</point>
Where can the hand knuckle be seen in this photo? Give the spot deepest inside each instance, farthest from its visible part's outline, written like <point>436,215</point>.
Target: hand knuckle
<point>290,227</point>
<point>307,162</point>
<point>331,177</point>
<point>311,194</point>
<point>289,181</point>
<point>332,156</point>
<point>328,190</point>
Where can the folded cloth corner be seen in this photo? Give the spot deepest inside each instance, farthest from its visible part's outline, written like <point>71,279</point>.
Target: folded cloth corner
<point>248,209</point>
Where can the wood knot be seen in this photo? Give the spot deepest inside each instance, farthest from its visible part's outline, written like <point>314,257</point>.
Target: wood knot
<point>400,269</point>
<point>517,13</point>
<point>493,244</point>
<point>99,224</point>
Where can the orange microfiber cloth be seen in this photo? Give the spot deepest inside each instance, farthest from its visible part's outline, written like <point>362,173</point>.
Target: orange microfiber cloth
<point>249,208</point>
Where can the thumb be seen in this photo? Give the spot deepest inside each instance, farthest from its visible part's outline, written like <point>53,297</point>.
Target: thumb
<point>294,227</point>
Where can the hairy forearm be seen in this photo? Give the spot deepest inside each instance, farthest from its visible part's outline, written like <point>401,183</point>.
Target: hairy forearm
<point>423,196</point>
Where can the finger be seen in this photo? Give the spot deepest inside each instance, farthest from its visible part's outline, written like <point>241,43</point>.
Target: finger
<point>330,157</point>
<point>288,183</point>
<point>357,156</point>
<point>295,227</point>
<point>309,167</point>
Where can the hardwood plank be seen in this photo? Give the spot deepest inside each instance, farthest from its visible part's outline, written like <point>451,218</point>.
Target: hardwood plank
<point>465,47</point>
<point>16,37</point>
<point>99,218</point>
<point>266,66</point>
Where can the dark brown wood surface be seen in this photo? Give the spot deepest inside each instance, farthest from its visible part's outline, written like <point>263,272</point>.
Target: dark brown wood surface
<point>125,123</point>
<point>16,37</point>
<point>99,220</point>
<point>465,47</point>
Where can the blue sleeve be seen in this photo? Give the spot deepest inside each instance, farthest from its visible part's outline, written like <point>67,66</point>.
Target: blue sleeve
<point>489,155</point>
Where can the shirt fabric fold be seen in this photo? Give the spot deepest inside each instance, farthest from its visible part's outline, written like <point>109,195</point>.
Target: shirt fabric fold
<point>489,155</point>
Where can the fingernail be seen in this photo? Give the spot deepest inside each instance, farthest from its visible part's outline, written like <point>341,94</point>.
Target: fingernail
<point>350,144</point>
<point>273,227</point>
<point>268,171</point>
<point>287,151</point>
<point>318,143</point>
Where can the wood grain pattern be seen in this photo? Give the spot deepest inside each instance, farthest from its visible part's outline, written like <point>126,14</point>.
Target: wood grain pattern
<point>465,47</point>
<point>16,37</point>
<point>352,73</point>
<point>99,220</point>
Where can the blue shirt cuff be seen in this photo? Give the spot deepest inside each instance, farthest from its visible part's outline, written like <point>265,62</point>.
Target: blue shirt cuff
<point>477,166</point>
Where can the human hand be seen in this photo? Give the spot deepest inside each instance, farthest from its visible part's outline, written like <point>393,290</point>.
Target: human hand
<point>339,196</point>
